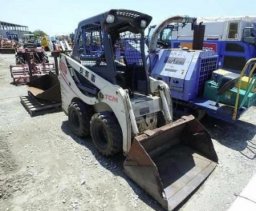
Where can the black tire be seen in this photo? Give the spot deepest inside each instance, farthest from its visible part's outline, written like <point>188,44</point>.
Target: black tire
<point>79,116</point>
<point>20,60</point>
<point>106,133</point>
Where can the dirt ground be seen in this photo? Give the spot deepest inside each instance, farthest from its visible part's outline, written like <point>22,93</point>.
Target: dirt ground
<point>44,167</point>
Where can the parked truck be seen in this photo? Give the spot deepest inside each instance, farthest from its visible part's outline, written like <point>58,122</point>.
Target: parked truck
<point>191,71</point>
<point>232,38</point>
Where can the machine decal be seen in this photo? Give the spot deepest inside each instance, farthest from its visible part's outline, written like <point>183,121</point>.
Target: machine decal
<point>175,60</point>
<point>211,46</point>
<point>93,77</point>
<point>111,98</point>
<point>85,73</point>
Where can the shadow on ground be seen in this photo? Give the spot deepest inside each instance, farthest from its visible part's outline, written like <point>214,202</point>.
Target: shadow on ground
<point>113,164</point>
<point>237,136</point>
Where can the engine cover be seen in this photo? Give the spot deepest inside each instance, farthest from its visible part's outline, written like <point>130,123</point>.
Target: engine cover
<point>147,122</point>
<point>185,71</point>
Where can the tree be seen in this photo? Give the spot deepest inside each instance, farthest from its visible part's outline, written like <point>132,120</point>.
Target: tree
<point>39,33</point>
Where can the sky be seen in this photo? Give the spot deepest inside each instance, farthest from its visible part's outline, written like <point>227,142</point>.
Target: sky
<point>57,17</point>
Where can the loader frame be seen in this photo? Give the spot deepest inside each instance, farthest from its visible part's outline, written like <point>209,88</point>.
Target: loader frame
<point>118,102</point>
<point>97,85</point>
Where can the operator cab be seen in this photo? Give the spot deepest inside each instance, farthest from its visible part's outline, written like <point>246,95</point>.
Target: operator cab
<point>29,41</point>
<point>112,46</point>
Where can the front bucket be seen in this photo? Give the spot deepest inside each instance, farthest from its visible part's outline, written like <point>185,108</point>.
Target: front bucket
<point>46,87</point>
<point>170,162</point>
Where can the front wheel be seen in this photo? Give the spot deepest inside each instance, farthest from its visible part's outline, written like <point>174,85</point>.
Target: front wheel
<point>106,133</point>
<point>79,118</point>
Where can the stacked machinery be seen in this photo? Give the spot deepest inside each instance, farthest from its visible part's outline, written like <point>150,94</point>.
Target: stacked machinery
<point>7,46</point>
<point>31,61</point>
<point>192,74</point>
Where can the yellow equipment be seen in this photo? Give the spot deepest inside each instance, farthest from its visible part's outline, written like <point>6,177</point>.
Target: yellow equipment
<point>45,43</point>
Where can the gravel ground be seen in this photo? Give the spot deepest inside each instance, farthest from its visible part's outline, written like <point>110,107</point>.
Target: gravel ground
<point>44,167</point>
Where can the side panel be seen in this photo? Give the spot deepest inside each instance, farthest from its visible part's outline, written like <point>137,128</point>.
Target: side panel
<point>69,89</point>
<point>112,95</point>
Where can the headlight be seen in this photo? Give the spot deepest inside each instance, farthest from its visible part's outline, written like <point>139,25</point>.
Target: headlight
<point>110,19</point>
<point>143,24</point>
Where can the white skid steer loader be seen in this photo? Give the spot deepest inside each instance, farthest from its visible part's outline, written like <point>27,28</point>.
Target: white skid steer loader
<point>107,93</point>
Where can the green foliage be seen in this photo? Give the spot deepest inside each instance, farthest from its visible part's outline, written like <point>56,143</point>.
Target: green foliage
<point>39,33</point>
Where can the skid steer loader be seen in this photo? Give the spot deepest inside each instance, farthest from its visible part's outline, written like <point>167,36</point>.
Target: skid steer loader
<point>107,93</point>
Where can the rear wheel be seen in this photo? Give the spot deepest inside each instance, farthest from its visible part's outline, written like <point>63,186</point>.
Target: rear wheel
<point>106,133</point>
<point>79,118</point>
